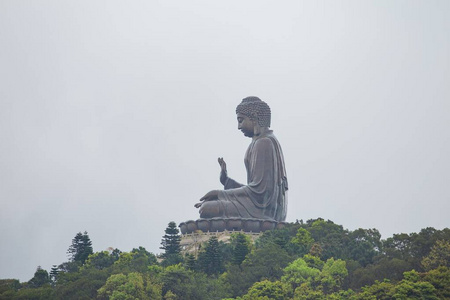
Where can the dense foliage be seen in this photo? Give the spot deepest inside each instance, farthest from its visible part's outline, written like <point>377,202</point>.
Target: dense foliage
<point>317,259</point>
<point>81,248</point>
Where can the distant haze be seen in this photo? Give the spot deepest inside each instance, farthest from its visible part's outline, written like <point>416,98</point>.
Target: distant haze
<point>113,114</point>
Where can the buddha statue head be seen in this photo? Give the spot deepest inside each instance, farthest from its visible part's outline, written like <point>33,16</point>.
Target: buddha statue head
<point>256,109</point>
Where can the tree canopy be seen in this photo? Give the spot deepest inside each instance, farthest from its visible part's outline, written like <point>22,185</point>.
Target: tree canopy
<point>316,259</point>
<point>81,248</point>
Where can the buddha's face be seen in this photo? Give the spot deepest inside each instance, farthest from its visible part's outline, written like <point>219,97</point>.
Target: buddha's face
<point>246,125</point>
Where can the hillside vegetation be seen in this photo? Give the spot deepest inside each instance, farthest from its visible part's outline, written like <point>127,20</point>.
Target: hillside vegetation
<point>316,259</point>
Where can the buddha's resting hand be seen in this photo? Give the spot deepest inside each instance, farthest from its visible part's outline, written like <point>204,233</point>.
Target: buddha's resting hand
<point>212,195</point>
<point>223,170</point>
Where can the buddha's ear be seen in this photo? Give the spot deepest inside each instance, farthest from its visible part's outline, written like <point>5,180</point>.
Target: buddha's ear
<point>254,117</point>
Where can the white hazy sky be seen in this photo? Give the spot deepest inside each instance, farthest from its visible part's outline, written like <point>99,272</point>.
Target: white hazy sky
<point>113,114</point>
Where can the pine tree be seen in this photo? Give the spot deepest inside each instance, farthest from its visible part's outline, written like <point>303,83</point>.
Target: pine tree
<point>211,260</point>
<point>190,262</point>
<point>54,274</point>
<point>171,240</point>
<point>241,249</point>
<point>81,248</point>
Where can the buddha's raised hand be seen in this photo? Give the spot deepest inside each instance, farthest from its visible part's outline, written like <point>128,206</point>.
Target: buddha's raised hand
<point>223,170</point>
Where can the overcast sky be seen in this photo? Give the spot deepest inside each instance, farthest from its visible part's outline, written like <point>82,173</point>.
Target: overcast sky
<point>113,114</point>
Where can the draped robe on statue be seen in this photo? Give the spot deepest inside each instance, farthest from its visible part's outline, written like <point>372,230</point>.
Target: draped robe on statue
<point>265,195</point>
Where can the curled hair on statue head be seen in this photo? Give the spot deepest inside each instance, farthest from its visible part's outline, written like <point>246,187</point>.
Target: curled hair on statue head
<point>255,108</point>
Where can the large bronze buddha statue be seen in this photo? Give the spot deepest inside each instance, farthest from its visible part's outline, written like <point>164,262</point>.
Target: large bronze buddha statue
<point>264,197</point>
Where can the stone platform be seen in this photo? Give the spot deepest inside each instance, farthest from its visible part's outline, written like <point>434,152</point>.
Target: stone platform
<point>190,242</point>
<point>229,224</point>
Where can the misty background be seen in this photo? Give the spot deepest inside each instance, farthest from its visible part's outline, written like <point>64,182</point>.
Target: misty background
<point>113,114</point>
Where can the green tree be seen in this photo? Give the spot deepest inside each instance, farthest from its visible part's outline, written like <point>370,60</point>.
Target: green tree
<point>211,260</point>
<point>313,261</point>
<point>9,286</point>
<point>398,246</point>
<point>385,268</point>
<point>180,283</point>
<point>307,292</point>
<point>423,242</point>
<point>143,256</point>
<point>413,288</point>
<point>415,246</point>
<point>80,285</point>
<point>379,290</point>
<point>138,260</point>
<point>364,245</point>
<point>81,248</point>
<point>281,237</point>
<point>54,274</point>
<point>68,267</point>
<point>40,278</point>
<point>172,259</point>
<point>241,249</point>
<point>41,293</point>
<point>100,260</point>
<point>298,272</point>
<point>265,290</point>
<point>440,279</point>
<point>171,240</point>
<point>190,262</point>
<point>303,241</point>
<point>267,262</point>
<point>333,274</point>
<point>332,238</point>
<point>129,287</point>
<point>438,256</point>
